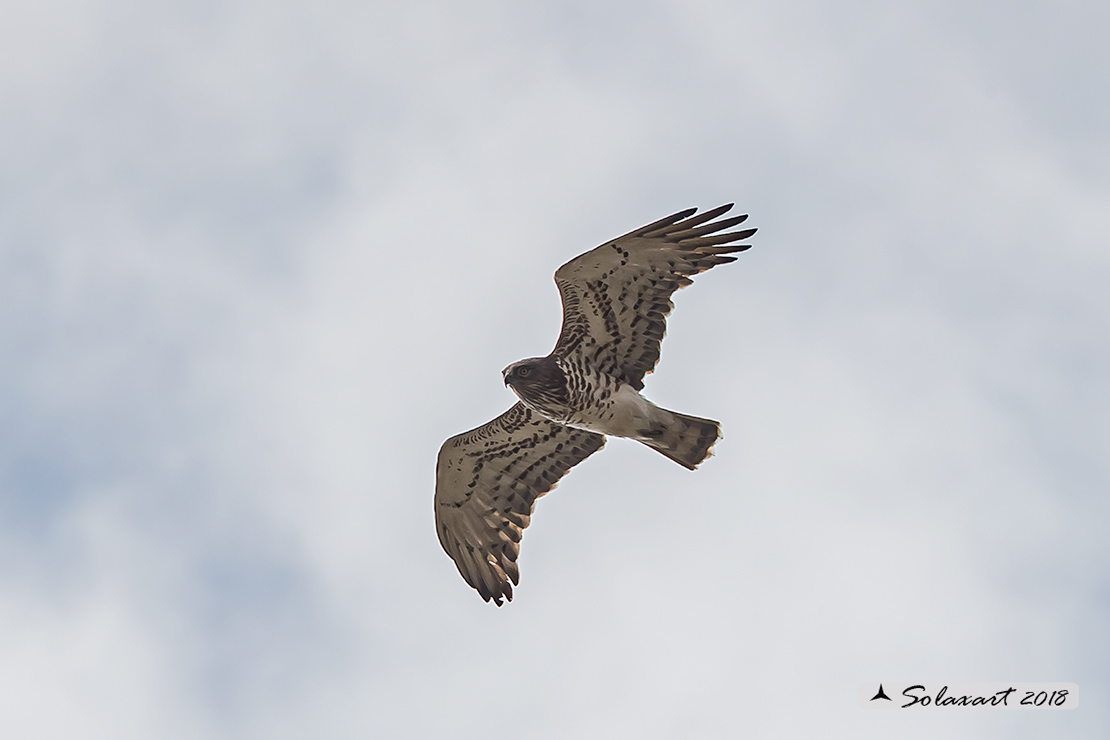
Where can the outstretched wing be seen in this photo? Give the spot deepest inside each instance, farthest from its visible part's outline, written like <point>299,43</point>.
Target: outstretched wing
<point>616,298</point>
<point>487,481</point>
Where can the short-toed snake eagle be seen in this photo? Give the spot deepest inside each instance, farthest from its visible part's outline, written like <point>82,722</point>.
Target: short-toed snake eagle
<point>615,302</point>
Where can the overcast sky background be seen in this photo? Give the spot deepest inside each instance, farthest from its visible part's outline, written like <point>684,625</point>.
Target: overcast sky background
<point>258,260</point>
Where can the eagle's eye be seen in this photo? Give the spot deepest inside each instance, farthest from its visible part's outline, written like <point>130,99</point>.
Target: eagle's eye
<point>522,372</point>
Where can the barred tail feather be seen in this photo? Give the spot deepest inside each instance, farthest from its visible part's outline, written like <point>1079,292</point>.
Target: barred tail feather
<point>687,440</point>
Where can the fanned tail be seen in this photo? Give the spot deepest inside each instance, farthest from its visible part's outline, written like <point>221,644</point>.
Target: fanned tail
<point>687,440</point>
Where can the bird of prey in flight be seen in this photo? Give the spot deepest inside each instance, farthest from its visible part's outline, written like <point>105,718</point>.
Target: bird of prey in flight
<point>615,302</point>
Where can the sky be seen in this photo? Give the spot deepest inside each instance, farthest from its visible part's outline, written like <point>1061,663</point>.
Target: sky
<point>259,259</point>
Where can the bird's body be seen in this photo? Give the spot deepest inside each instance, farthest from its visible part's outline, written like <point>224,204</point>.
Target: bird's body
<point>615,301</point>
<point>595,401</point>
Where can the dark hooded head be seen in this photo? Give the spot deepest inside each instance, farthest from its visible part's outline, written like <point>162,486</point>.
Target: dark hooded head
<point>538,382</point>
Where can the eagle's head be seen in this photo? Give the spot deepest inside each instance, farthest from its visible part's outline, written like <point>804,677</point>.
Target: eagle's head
<point>537,381</point>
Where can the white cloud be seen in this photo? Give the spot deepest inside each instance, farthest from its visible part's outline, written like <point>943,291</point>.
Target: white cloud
<point>260,260</point>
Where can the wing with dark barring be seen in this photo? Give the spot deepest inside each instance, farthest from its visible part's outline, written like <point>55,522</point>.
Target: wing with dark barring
<point>616,297</point>
<point>488,480</point>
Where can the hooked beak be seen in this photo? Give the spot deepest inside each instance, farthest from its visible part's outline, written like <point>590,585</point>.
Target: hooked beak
<point>505,377</point>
